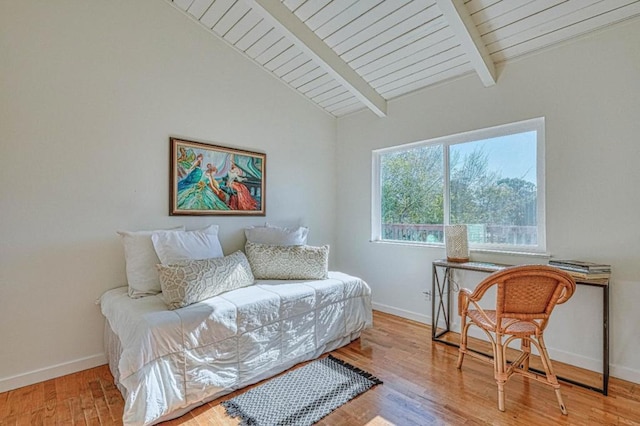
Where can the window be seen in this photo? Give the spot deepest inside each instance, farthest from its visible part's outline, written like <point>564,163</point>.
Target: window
<point>492,180</point>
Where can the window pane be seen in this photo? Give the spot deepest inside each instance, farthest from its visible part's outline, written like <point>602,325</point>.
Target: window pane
<point>411,185</point>
<point>489,179</point>
<point>493,189</point>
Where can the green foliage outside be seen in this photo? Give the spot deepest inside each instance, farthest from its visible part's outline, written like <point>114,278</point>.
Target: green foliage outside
<point>479,195</point>
<point>412,186</point>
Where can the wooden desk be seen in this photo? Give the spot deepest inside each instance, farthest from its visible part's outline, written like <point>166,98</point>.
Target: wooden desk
<point>441,309</point>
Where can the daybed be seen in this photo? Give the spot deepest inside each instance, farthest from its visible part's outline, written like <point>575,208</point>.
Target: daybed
<point>167,362</point>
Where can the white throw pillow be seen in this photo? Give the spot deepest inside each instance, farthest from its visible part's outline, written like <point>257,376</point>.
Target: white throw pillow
<point>193,281</point>
<point>277,236</point>
<point>173,247</point>
<point>141,259</point>
<point>288,262</point>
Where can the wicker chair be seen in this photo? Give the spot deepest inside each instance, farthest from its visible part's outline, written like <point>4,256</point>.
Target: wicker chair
<point>525,297</point>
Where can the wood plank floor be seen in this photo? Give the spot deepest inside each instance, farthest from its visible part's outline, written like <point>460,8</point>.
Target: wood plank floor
<point>421,387</point>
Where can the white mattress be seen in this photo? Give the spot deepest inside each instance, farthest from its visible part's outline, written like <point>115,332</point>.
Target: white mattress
<point>172,361</point>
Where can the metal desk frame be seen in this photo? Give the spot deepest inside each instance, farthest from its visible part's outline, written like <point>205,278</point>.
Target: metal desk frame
<point>441,290</point>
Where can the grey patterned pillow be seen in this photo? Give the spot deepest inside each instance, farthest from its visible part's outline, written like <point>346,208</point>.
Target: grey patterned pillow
<point>288,262</point>
<point>192,281</point>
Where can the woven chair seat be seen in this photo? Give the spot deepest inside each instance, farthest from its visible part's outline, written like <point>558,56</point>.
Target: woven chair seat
<point>519,328</point>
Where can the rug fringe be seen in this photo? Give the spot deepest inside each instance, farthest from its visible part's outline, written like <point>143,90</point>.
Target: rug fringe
<point>355,369</point>
<point>234,410</point>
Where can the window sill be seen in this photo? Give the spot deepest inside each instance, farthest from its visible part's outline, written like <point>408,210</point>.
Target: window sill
<point>500,252</point>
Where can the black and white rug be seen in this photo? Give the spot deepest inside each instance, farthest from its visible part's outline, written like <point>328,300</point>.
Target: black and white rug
<point>302,396</point>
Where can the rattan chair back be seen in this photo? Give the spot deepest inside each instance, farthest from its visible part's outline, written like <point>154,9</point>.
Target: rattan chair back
<point>530,292</point>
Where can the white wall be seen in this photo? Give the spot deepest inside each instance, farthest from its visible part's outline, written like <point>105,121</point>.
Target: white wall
<point>91,91</point>
<point>588,91</point>
<point>89,94</point>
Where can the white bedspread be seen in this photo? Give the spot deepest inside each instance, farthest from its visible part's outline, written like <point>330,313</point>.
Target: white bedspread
<point>172,361</point>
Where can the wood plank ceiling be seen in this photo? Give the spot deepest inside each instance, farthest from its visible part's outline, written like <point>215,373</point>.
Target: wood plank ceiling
<point>347,55</point>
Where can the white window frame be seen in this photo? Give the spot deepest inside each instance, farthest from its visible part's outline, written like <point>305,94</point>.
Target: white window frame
<point>535,124</point>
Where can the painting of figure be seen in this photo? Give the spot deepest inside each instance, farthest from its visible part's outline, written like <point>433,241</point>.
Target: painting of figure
<point>210,179</point>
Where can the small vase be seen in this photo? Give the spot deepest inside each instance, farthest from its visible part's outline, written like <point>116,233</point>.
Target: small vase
<point>456,243</point>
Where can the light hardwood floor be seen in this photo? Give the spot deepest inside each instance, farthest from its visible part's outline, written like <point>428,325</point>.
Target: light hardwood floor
<point>421,387</point>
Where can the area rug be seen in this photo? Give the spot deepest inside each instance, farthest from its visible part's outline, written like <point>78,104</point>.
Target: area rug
<point>302,396</point>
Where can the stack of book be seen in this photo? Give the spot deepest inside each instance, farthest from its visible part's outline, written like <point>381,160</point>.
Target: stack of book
<point>583,270</point>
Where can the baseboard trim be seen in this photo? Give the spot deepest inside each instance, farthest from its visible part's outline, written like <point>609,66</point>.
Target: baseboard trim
<point>625,373</point>
<point>47,373</point>
<point>402,313</point>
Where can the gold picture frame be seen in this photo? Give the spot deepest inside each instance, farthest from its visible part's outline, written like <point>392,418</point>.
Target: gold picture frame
<point>208,179</point>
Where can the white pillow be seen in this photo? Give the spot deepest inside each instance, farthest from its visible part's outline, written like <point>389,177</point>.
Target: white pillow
<point>193,281</point>
<point>277,236</point>
<point>288,262</point>
<point>141,259</point>
<point>173,247</point>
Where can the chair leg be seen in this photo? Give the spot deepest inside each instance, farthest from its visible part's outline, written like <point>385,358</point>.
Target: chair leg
<point>500,374</point>
<point>463,341</point>
<point>525,346</point>
<point>551,376</point>
<point>500,396</point>
<point>563,408</point>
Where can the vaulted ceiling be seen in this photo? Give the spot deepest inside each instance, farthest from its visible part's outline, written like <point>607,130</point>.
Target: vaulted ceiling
<point>347,55</point>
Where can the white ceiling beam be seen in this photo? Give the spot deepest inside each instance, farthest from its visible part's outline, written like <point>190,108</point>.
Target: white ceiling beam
<point>307,41</point>
<point>460,21</point>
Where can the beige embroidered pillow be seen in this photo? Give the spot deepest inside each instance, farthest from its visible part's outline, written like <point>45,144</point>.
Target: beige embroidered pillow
<point>192,281</point>
<point>288,262</point>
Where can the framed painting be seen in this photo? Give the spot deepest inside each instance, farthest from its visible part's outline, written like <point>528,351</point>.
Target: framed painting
<point>209,179</point>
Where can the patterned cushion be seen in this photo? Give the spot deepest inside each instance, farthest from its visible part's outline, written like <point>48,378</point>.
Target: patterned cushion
<point>193,281</point>
<point>288,262</point>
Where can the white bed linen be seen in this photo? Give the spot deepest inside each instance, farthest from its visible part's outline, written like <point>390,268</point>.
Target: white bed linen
<point>172,361</point>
